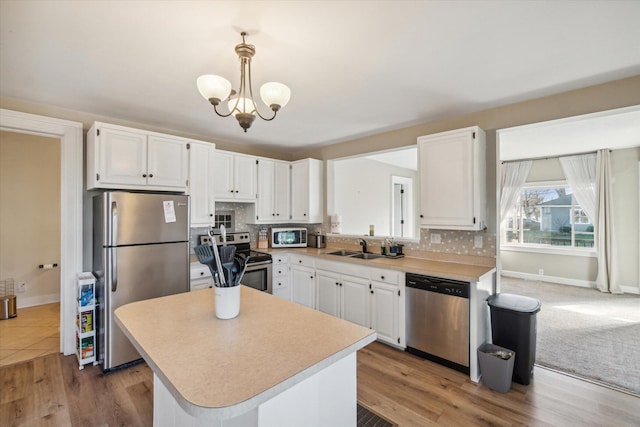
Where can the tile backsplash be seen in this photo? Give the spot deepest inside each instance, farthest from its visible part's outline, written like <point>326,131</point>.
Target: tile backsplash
<point>451,241</point>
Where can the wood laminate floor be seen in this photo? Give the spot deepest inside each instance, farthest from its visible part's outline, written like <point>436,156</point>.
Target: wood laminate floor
<point>407,390</point>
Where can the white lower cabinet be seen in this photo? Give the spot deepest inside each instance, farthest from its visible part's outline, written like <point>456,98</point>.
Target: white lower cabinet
<point>280,276</point>
<point>303,281</point>
<point>200,277</point>
<point>370,297</point>
<point>344,296</point>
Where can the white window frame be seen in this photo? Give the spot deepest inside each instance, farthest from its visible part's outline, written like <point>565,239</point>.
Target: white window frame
<point>549,249</point>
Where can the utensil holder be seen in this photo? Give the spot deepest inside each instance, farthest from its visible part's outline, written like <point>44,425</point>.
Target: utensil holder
<point>227,302</point>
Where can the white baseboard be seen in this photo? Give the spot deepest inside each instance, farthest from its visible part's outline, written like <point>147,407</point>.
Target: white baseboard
<point>23,302</point>
<point>550,279</point>
<point>630,290</point>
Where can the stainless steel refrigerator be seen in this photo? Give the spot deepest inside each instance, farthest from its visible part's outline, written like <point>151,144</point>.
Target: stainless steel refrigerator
<point>140,251</point>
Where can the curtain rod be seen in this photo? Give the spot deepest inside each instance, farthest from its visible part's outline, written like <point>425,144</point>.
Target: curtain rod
<point>549,157</point>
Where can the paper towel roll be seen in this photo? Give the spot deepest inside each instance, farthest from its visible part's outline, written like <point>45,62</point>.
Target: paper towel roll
<point>336,224</point>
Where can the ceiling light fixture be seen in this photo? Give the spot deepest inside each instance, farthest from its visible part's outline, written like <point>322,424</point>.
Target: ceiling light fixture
<point>216,89</point>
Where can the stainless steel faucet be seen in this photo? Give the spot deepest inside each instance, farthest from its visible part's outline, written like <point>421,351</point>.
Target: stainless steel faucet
<point>363,243</point>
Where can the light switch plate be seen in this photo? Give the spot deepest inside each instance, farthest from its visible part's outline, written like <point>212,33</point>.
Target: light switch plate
<point>477,242</point>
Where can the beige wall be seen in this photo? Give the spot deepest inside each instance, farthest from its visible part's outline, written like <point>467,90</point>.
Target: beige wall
<point>30,214</point>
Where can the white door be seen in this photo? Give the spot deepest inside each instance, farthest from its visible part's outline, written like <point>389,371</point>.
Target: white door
<point>300,191</point>
<point>265,210</point>
<point>244,177</point>
<point>123,157</point>
<point>384,311</point>
<point>303,286</point>
<point>201,183</point>
<point>328,292</point>
<point>355,300</point>
<point>167,162</point>
<point>282,191</point>
<point>223,176</point>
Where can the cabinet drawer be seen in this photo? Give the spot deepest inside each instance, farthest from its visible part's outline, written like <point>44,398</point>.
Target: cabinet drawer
<point>199,271</point>
<point>196,285</point>
<point>280,270</point>
<point>280,282</point>
<point>280,259</point>
<point>386,276</point>
<point>301,260</point>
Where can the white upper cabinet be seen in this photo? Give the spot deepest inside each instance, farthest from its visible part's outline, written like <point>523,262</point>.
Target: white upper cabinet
<point>234,177</point>
<point>452,172</point>
<point>306,191</point>
<point>125,158</point>
<point>274,187</point>
<point>201,160</point>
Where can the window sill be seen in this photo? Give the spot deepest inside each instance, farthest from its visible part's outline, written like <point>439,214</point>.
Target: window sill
<point>587,252</point>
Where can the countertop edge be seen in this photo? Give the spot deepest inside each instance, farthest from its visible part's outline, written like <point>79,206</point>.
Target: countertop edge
<point>245,406</point>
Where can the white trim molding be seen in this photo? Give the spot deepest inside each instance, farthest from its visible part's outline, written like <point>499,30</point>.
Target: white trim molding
<point>550,279</point>
<point>71,158</point>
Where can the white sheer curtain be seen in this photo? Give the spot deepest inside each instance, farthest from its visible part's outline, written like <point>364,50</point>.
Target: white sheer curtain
<point>513,177</point>
<point>589,176</point>
<point>580,171</point>
<point>607,280</point>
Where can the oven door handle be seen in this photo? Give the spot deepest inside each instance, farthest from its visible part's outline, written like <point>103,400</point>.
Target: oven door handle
<point>257,264</point>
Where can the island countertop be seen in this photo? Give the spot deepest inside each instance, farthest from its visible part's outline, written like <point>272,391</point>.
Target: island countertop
<point>228,367</point>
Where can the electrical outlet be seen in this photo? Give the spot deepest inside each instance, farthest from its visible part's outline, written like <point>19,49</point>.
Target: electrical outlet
<point>435,238</point>
<point>477,242</point>
<point>22,288</point>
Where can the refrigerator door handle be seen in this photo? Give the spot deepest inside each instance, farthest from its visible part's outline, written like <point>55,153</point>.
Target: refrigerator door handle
<point>114,224</point>
<point>114,236</point>
<point>114,269</point>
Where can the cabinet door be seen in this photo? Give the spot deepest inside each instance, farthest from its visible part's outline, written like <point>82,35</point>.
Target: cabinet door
<point>282,191</point>
<point>223,176</point>
<point>300,191</point>
<point>385,311</point>
<point>303,290</point>
<point>201,157</point>
<point>244,177</point>
<point>328,292</point>
<point>449,175</point>
<point>354,304</point>
<point>167,162</point>
<point>265,204</point>
<point>123,157</point>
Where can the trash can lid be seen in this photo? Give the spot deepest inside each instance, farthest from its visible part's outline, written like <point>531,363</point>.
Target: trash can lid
<point>516,303</point>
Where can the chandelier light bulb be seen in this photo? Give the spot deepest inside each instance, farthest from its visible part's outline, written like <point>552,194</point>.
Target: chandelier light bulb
<point>214,87</point>
<point>275,95</point>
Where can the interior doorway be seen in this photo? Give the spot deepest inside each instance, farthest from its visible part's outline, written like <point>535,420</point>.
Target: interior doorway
<point>563,275</point>
<point>71,162</point>
<point>30,243</point>
<point>402,207</point>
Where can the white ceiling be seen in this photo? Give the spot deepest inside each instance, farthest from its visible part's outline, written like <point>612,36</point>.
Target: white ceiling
<point>354,67</point>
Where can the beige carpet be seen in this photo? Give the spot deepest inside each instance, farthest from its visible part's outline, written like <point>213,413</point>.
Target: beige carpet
<point>585,332</point>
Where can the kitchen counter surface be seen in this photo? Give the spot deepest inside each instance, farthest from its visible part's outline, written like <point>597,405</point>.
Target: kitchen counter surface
<point>229,367</point>
<point>439,268</point>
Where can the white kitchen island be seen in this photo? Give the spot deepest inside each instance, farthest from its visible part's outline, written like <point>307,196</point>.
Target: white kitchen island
<point>276,364</point>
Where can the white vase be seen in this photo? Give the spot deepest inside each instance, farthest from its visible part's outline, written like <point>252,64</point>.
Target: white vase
<point>227,302</point>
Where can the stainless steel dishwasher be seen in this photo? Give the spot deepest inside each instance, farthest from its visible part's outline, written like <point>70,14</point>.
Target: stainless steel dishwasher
<point>438,320</point>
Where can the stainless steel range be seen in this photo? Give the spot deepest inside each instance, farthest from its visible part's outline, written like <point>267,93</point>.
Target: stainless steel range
<point>259,266</point>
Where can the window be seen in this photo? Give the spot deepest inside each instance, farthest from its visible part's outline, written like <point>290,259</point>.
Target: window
<point>547,214</point>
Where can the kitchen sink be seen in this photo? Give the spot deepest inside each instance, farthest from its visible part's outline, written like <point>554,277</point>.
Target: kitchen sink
<point>343,253</point>
<point>361,255</point>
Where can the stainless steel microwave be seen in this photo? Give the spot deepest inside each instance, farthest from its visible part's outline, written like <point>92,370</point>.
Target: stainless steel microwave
<point>288,237</point>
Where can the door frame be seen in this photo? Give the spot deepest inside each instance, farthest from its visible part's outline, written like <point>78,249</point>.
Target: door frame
<point>71,157</point>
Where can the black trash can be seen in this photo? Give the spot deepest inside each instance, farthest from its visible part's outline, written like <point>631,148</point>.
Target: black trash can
<point>513,326</point>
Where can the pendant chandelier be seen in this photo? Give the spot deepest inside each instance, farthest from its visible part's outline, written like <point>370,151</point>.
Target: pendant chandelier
<point>241,104</point>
